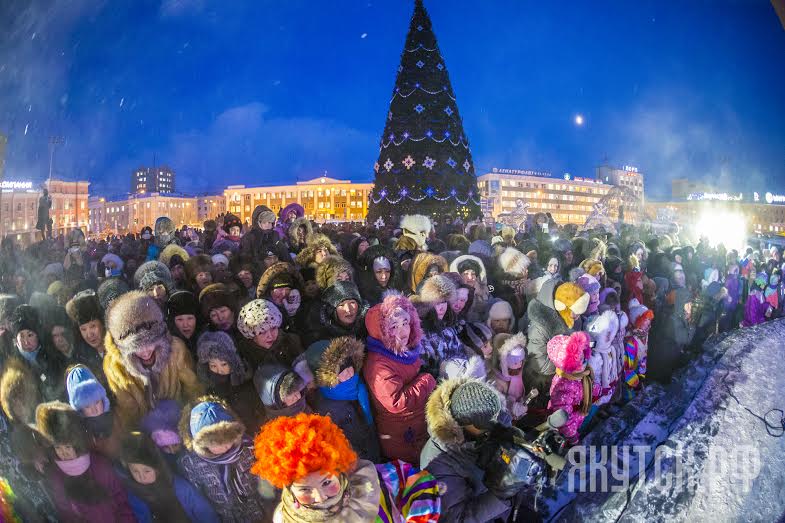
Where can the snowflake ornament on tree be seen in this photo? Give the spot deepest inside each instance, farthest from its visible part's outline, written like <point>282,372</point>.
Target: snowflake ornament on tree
<point>408,162</point>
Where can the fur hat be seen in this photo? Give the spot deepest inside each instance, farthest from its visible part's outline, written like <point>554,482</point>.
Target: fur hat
<point>593,267</point>
<point>198,264</point>
<point>84,307</point>
<point>109,290</point>
<point>638,313</point>
<point>84,389</point>
<point>437,289</point>
<point>19,393</point>
<point>60,424</point>
<point>421,263</point>
<point>135,320</point>
<point>230,220</point>
<point>262,213</point>
<point>139,448</point>
<point>513,261</point>
<point>25,317</point>
<point>329,359</point>
<point>500,310</point>
<point>164,230</point>
<point>575,273</point>
<point>341,291</point>
<point>328,271</point>
<point>467,261</point>
<point>181,303</point>
<point>379,317</point>
<point>152,273</point>
<point>161,422</point>
<point>315,242</point>
<point>570,297</point>
<point>113,259</point>
<point>216,295</point>
<point>568,352</point>
<point>209,421</point>
<point>417,227</point>
<point>219,345</point>
<point>281,274</point>
<point>257,316</point>
<point>169,254</point>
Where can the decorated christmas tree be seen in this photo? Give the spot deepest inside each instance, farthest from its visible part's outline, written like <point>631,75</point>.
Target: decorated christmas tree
<point>425,164</point>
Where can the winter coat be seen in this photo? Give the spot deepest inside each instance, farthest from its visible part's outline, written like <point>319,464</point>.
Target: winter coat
<point>208,478</point>
<point>635,362</point>
<point>602,360</point>
<point>48,371</point>
<point>567,394</point>
<point>755,310</point>
<point>370,289</point>
<point>115,506</point>
<point>453,461</point>
<point>255,243</point>
<point>284,351</point>
<point>295,246</point>
<point>399,392</point>
<point>439,343</point>
<point>194,504</point>
<point>544,323</point>
<point>176,381</point>
<point>513,403</point>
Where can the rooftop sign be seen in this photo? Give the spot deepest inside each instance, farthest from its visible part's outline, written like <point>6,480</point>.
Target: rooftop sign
<point>16,185</point>
<point>522,172</point>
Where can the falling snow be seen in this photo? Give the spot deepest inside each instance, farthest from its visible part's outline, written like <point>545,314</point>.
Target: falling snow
<point>122,100</point>
<point>26,126</point>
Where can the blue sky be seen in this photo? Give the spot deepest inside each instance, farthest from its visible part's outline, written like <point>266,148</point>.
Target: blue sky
<point>270,91</point>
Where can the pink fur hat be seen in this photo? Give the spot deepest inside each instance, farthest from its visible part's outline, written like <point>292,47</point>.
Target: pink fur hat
<point>569,352</point>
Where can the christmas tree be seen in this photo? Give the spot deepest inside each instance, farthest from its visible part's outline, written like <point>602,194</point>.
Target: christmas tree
<point>425,164</point>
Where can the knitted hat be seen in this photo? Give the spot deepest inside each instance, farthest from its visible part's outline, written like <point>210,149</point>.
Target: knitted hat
<point>209,422</point>
<point>341,291</point>
<point>24,317</point>
<point>109,290</point>
<point>500,310</point>
<point>475,336</point>
<point>83,389</point>
<point>638,313</point>
<point>230,220</point>
<point>569,352</point>
<point>84,308</point>
<point>476,403</point>
<point>59,424</point>
<point>161,423</point>
<point>152,273</point>
<point>220,259</point>
<point>258,316</point>
<point>263,214</point>
<point>570,297</point>
<point>513,261</point>
<point>216,295</point>
<point>589,283</point>
<point>436,289</point>
<point>181,303</point>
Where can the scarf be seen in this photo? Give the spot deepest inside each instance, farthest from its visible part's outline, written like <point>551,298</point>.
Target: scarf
<point>359,502</point>
<point>231,475</point>
<point>352,389</point>
<point>586,376</point>
<point>100,426</point>
<point>29,356</point>
<point>406,358</point>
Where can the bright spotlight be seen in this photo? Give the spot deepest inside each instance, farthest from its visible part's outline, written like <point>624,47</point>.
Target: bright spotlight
<point>723,227</point>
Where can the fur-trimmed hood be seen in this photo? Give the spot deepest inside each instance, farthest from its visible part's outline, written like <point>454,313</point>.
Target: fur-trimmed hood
<point>328,271</point>
<point>325,362</point>
<point>18,392</point>
<point>292,207</point>
<point>419,268</point>
<point>377,319</point>
<point>482,275</point>
<point>219,345</point>
<point>216,434</point>
<point>501,352</point>
<point>273,382</point>
<point>513,261</point>
<point>170,251</point>
<point>276,272</point>
<point>442,426</point>
<point>296,224</point>
<point>315,242</point>
<point>436,289</point>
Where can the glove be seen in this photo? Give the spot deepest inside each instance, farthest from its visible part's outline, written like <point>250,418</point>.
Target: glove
<point>518,410</point>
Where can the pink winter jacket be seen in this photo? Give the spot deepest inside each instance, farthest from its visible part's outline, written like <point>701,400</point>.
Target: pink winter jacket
<point>568,395</point>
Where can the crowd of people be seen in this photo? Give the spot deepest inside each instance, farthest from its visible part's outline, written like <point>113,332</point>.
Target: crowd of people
<point>285,371</point>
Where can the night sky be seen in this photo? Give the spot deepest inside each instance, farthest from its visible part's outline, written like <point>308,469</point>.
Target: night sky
<point>274,91</point>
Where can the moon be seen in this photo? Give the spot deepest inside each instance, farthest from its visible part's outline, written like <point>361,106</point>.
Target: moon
<point>578,119</point>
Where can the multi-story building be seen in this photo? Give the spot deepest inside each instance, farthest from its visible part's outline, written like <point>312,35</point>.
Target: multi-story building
<point>568,199</point>
<point>626,177</point>
<point>210,206</point>
<point>133,212</point>
<point>322,198</point>
<point>152,179</point>
<point>19,207</point>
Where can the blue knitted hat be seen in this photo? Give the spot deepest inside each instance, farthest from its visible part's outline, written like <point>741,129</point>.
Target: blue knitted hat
<point>84,389</point>
<point>207,414</point>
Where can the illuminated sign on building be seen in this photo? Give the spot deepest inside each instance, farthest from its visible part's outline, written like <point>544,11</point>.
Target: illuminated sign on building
<point>630,169</point>
<point>715,196</point>
<point>17,185</point>
<point>522,172</point>
<point>775,198</point>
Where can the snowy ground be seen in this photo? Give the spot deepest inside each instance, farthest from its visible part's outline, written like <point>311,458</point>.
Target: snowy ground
<point>690,451</point>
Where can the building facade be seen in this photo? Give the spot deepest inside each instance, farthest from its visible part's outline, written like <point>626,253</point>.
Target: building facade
<point>136,211</point>
<point>626,177</point>
<point>210,206</point>
<point>568,199</point>
<point>322,198</point>
<point>19,207</point>
<point>760,216</point>
<point>152,179</point>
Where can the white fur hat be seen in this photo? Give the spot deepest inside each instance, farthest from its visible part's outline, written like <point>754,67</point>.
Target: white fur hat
<point>513,261</point>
